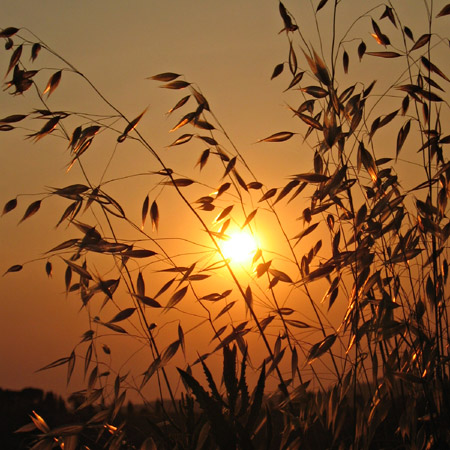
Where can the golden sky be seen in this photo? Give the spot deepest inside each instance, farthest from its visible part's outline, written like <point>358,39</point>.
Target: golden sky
<point>227,48</point>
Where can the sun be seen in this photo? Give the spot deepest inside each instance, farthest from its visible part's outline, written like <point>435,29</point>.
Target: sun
<point>240,247</point>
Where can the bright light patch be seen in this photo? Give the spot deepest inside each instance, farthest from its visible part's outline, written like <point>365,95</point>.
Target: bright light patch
<point>240,248</point>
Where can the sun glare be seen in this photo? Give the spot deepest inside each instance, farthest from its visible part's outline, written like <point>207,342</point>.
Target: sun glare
<point>240,248</point>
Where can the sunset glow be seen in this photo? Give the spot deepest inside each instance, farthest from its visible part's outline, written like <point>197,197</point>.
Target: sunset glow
<point>240,248</point>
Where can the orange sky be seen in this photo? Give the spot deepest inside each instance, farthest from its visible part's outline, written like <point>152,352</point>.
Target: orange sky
<point>229,49</point>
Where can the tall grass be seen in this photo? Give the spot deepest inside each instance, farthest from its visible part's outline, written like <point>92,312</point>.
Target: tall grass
<point>341,320</point>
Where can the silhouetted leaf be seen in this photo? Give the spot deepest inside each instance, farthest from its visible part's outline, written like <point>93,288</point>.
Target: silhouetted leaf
<point>249,297</point>
<point>369,88</point>
<point>35,50</point>
<point>288,25</point>
<point>66,244</point>
<point>401,137</point>
<point>310,121</point>
<point>203,124</point>
<point>70,366</point>
<point>67,278</point>
<point>179,182</point>
<point>209,140</point>
<point>321,4</point>
<point>224,213</point>
<point>262,268</point>
<point>423,40</point>
<point>154,216</point>
<point>320,348</point>
<point>307,105</point>
<point>432,68</point>
<point>122,315</point>
<point>203,158</point>
<point>140,284</point>
<point>166,76</point>
<point>305,232</point>
<point>78,269</point>
<point>114,327</point>
<point>361,49</point>
<point>254,185</point>
<point>367,161</point>
<point>315,91</point>
<point>131,126</point>
<point>138,253</point>
<point>178,84</point>
<point>46,129</point>
<point>148,301</point>
<point>384,54</point>
<point>70,212</point>
<point>230,166</point>
<point>144,211</point>
<point>8,32</point>
<point>9,206</point>
<point>176,297</point>
<point>408,33</point>
<point>405,104</point>
<point>14,268</point>
<point>179,104</point>
<point>295,80</point>
<point>278,137</point>
<point>432,97</point>
<point>71,192</point>
<point>181,338</point>
<point>14,58</point>
<point>297,323</point>
<point>48,268</point>
<point>444,11</point>
<point>282,276</point>
<point>240,180</point>
<point>318,68</point>
<point>170,351</point>
<point>165,287</point>
<point>249,218</point>
<point>201,100</point>
<point>277,70</point>
<point>432,83</point>
<point>387,118</point>
<point>225,309</point>
<point>388,12</point>
<point>31,210</point>
<point>270,193</point>
<point>381,38</point>
<point>285,191</point>
<point>345,61</point>
<point>321,272</point>
<point>312,177</point>
<point>182,140</point>
<point>56,363</point>
<point>53,83</point>
<point>13,118</point>
<point>224,187</point>
<point>154,366</point>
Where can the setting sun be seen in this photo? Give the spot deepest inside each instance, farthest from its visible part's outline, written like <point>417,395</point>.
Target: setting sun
<point>240,248</point>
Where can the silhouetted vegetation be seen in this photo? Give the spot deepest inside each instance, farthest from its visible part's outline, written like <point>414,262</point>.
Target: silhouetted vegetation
<point>349,306</point>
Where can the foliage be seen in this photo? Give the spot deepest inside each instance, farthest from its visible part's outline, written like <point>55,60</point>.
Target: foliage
<point>364,362</point>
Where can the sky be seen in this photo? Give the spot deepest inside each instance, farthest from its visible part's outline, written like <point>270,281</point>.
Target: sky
<point>228,49</point>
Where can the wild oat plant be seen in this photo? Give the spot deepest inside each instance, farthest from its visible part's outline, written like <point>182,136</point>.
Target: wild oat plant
<point>341,331</point>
